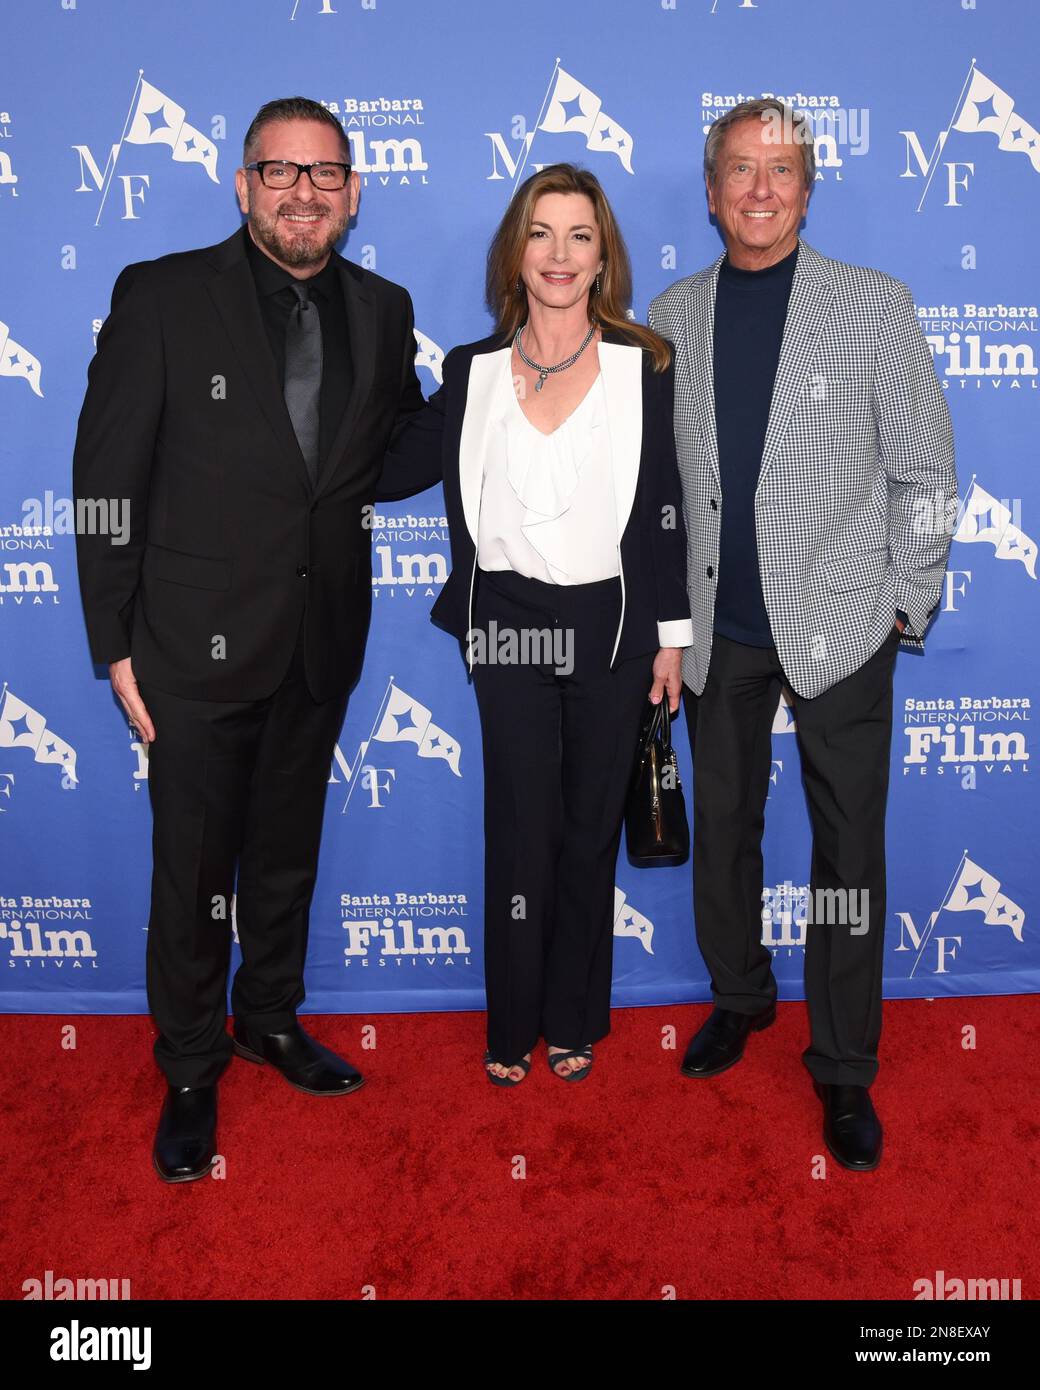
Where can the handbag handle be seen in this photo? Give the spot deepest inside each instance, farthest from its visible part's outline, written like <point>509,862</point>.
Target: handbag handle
<point>660,717</point>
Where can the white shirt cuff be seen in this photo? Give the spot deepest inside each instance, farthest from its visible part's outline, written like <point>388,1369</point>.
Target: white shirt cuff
<point>677,633</point>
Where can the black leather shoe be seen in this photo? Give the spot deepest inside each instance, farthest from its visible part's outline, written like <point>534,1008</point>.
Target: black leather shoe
<point>186,1140</point>
<point>719,1043</point>
<point>851,1128</point>
<point>303,1062</point>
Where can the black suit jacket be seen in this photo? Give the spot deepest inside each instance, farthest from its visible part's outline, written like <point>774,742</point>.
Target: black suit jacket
<point>652,549</point>
<point>229,544</point>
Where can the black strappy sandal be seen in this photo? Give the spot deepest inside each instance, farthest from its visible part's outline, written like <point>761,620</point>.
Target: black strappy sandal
<point>505,1080</point>
<point>581,1073</point>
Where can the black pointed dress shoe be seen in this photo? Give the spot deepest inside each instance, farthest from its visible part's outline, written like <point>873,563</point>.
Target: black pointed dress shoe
<point>851,1128</point>
<point>719,1043</point>
<point>303,1062</point>
<point>186,1140</point>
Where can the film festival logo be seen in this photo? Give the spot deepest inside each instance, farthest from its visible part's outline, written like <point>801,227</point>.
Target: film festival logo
<point>971,889</point>
<point>27,579</point>
<point>44,519</point>
<point>568,107</point>
<point>31,581</point>
<point>400,718</point>
<point>789,909</point>
<point>373,152</point>
<point>955,332</point>
<point>982,108</point>
<point>957,736</point>
<point>951,736</point>
<point>406,927</point>
<point>33,943</point>
<point>21,726</point>
<point>399,569</point>
<point>153,119</point>
<point>784,914</point>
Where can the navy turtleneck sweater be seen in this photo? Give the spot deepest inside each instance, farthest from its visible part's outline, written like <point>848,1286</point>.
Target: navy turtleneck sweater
<point>750,309</point>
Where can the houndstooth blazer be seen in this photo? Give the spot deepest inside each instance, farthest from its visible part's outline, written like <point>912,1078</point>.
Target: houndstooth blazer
<point>857,485</point>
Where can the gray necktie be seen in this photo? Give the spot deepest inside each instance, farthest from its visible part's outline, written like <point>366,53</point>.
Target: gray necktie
<point>303,374</point>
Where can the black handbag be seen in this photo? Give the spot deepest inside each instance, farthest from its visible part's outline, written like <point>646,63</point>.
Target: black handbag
<point>657,832</point>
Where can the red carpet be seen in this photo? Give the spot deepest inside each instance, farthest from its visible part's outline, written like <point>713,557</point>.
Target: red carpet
<point>636,1179</point>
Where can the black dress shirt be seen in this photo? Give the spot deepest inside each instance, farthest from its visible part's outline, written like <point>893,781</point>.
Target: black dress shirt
<point>277,300</point>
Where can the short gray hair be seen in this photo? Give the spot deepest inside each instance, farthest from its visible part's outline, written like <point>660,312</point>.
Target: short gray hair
<point>796,121</point>
<point>291,109</point>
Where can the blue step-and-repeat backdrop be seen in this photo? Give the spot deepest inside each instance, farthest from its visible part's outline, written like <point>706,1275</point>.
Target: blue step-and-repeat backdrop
<point>121,125</point>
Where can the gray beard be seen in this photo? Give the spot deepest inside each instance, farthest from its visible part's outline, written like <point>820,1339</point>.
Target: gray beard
<point>297,250</point>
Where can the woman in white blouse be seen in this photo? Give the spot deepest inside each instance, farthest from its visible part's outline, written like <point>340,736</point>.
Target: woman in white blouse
<point>568,590</point>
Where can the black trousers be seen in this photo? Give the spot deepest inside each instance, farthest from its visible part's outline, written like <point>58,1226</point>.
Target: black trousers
<point>558,752</point>
<point>232,784</point>
<point>844,737</point>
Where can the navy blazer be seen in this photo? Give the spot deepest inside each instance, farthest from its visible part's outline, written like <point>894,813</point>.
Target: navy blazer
<point>655,608</point>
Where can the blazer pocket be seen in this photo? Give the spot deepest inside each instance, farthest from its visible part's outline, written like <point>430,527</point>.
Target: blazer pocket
<point>178,567</point>
<point>847,573</point>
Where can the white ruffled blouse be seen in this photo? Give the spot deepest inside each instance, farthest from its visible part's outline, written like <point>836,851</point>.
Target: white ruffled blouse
<point>547,501</point>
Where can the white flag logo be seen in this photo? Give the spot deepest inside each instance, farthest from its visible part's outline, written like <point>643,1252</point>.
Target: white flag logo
<point>21,726</point>
<point>428,355</point>
<point>977,891</point>
<point>575,107</point>
<point>986,519</point>
<point>406,720</point>
<point>988,108</point>
<point>629,922</point>
<point>158,120</point>
<point>15,361</point>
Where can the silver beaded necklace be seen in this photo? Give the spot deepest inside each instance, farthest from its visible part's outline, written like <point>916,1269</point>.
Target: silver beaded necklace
<point>543,372</point>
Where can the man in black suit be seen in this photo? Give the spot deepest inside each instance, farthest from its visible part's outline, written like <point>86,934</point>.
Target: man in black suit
<point>242,398</point>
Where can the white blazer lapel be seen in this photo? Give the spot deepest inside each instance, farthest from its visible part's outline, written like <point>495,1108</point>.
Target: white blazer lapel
<point>621,366</point>
<point>485,380</point>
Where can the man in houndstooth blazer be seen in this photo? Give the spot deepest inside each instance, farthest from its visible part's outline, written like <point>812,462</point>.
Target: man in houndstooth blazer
<point>816,459</point>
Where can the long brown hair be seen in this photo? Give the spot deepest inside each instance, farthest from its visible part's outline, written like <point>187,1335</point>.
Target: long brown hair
<point>506,254</point>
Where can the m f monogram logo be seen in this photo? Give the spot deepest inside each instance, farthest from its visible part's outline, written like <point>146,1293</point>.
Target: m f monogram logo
<point>153,119</point>
<point>972,889</point>
<point>377,781</point>
<point>982,108</point>
<point>945,946</point>
<point>400,718</point>
<point>568,106</point>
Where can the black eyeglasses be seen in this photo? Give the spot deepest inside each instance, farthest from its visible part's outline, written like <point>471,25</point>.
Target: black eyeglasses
<point>283,173</point>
